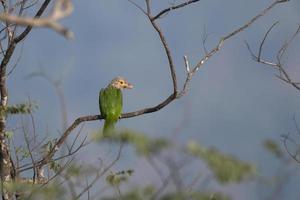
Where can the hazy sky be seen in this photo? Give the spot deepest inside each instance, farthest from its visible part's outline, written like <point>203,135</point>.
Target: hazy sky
<point>233,103</point>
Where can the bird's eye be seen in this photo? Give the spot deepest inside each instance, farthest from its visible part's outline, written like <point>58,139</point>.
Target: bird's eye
<point>121,82</point>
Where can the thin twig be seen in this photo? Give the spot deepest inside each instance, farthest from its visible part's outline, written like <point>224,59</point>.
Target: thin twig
<point>168,54</point>
<point>138,6</point>
<point>29,150</point>
<point>62,9</point>
<point>29,28</point>
<point>285,139</point>
<point>264,39</point>
<point>283,74</point>
<point>165,11</point>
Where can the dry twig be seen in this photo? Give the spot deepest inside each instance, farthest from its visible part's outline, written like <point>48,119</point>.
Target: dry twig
<point>278,64</point>
<point>62,9</point>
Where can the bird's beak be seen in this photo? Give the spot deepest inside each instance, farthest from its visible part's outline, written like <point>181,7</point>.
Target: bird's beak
<point>129,86</point>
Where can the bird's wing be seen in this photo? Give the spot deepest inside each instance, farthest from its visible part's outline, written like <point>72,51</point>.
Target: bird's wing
<point>102,103</point>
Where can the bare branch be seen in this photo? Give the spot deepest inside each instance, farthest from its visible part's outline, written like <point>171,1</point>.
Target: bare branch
<point>148,7</point>
<point>187,65</point>
<point>167,10</point>
<point>220,44</point>
<point>168,53</point>
<point>264,39</point>
<point>242,28</point>
<point>285,46</point>
<point>17,61</point>
<point>62,8</point>
<point>287,138</point>
<point>258,58</point>
<point>71,151</point>
<point>205,37</point>
<point>62,139</point>
<point>29,151</point>
<point>29,28</point>
<point>289,141</point>
<point>264,12</point>
<point>283,74</point>
<point>296,125</point>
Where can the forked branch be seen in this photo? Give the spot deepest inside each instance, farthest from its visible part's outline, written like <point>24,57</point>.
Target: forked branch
<point>278,64</point>
<point>62,9</point>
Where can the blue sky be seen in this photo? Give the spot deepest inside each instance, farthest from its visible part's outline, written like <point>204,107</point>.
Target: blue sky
<point>233,104</point>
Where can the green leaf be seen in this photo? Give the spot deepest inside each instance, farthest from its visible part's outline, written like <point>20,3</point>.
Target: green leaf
<point>35,191</point>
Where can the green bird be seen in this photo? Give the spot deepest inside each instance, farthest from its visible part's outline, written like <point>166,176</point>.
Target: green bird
<point>111,102</point>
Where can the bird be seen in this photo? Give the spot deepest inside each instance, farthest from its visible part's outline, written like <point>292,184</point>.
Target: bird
<point>111,102</point>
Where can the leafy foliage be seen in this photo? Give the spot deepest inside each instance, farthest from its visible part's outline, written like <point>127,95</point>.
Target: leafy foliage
<point>148,192</point>
<point>135,194</point>
<point>35,191</point>
<point>142,144</point>
<point>226,168</point>
<point>118,177</point>
<point>195,196</point>
<point>23,108</point>
<point>74,170</point>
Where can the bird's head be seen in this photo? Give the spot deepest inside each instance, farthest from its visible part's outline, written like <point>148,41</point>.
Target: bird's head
<point>121,83</point>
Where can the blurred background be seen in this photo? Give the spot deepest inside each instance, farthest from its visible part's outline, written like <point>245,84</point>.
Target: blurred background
<point>234,103</point>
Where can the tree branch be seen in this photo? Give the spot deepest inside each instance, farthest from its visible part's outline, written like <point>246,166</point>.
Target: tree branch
<point>28,28</point>
<point>217,48</point>
<point>62,8</point>
<point>165,11</point>
<point>168,53</point>
<point>283,74</point>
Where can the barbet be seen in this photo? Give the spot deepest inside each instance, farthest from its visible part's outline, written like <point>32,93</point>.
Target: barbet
<point>111,102</point>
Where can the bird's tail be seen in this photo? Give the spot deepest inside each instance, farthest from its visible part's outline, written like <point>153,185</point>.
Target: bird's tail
<point>108,127</point>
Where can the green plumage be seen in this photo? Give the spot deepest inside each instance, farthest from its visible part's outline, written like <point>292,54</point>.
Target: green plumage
<point>110,103</point>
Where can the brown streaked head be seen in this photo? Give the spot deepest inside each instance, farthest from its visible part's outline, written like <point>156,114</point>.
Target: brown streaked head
<point>121,83</point>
